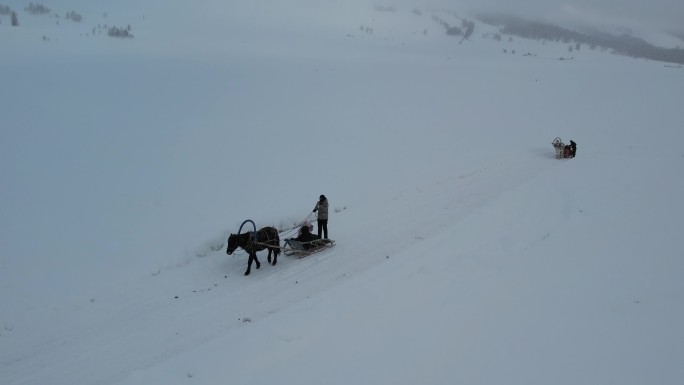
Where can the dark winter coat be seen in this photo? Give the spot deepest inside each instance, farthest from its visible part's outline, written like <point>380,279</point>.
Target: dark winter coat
<point>305,238</point>
<point>573,148</point>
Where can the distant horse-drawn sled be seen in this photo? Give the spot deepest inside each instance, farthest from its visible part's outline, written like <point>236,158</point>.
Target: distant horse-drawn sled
<point>306,243</point>
<point>564,150</point>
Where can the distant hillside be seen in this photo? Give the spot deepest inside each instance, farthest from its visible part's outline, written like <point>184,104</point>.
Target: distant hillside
<point>623,45</point>
<point>677,34</point>
<point>36,11</point>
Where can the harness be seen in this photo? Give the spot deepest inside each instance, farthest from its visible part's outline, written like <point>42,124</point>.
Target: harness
<point>253,225</point>
<point>253,243</point>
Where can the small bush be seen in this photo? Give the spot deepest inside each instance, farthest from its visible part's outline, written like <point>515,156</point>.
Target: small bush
<point>454,31</point>
<point>121,33</point>
<point>37,9</point>
<point>72,15</point>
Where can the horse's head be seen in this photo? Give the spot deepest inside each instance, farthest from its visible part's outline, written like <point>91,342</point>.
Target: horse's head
<point>232,244</point>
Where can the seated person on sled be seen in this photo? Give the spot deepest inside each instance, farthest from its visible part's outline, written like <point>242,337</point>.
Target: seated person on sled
<point>306,237</point>
<point>306,224</point>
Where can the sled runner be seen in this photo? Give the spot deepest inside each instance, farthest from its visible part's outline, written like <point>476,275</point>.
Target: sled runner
<point>303,249</point>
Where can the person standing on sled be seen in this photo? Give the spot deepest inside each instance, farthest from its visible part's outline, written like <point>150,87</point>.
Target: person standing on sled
<point>570,150</point>
<point>573,149</point>
<point>322,209</point>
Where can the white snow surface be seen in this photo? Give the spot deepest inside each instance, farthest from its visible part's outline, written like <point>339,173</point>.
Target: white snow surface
<point>465,253</point>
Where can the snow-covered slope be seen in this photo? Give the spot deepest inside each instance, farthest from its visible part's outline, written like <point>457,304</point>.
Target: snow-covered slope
<point>465,252</point>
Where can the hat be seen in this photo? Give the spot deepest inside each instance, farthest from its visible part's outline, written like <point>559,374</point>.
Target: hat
<point>322,196</point>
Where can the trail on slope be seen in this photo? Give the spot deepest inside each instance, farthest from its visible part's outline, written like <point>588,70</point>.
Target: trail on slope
<point>157,316</point>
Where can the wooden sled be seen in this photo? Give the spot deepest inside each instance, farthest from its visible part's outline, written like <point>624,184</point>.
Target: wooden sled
<point>303,249</point>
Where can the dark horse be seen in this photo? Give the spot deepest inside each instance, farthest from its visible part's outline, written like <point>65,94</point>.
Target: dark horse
<point>266,238</point>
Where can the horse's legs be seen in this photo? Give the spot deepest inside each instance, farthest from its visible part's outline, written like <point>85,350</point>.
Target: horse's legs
<point>249,265</point>
<point>252,257</point>
<point>275,256</point>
